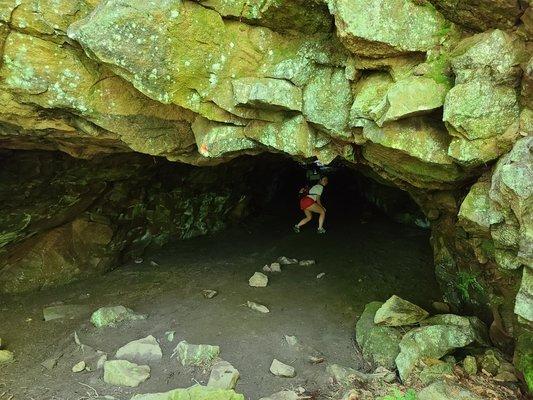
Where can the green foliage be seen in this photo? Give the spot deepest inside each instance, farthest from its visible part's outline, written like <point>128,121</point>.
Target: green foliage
<point>467,281</point>
<point>397,395</point>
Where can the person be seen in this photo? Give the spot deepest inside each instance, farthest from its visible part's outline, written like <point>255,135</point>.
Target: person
<point>311,203</point>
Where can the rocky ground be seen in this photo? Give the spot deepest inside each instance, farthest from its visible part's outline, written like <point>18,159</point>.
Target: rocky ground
<point>383,258</point>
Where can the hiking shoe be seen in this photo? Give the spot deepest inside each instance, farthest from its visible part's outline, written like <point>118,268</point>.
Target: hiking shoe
<point>296,228</point>
<point>321,230</point>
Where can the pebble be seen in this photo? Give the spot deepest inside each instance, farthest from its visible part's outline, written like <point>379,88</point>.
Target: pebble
<point>321,275</point>
<point>287,261</point>
<point>280,369</point>
<point>258,280</point>
<point>257,307</point>
<point>307,263</point>
<point>209,293</point>
<point>79,367</point>
<point>470,365</point>
<point>154,264</point>
<point>138,260</point>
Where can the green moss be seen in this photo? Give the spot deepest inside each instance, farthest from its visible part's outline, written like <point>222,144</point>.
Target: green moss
<point>438,66</point>
<point>466,282</point>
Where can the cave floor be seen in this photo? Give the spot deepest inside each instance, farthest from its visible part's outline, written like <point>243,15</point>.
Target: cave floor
<point>362,262</point>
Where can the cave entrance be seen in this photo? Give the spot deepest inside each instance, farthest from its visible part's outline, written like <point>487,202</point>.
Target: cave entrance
<point>217,226</point>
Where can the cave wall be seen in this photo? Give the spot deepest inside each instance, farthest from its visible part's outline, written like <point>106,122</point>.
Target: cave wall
<point>432,96</point>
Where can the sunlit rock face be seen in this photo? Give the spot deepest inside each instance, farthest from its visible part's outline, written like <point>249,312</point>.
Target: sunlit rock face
<point>431,96</point>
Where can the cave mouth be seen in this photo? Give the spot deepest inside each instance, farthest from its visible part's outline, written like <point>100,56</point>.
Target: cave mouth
<point>181,230</point>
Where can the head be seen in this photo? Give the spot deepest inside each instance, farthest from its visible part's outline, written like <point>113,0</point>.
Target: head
<point>323,181</point>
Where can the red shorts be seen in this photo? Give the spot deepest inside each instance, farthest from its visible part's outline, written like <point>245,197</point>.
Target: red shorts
<point>306,202</point>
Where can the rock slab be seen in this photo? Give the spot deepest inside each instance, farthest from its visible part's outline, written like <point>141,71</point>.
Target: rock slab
<point>125,373</point>
<point>399,312</point>
<point>280,369</point>
<point>196,354</point>
<point>111,316</point>
<point>145,350</point>
<point>197,392</point>
<point>223,376</point>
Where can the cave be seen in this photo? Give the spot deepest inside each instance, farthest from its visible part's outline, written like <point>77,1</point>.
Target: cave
<point>152,162</point>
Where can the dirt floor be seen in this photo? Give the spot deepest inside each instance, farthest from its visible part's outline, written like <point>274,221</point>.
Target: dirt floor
<point>362,261</point>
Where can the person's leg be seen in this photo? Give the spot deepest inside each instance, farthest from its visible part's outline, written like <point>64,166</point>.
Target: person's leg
<point>321,214</point>
<point>308,217</point>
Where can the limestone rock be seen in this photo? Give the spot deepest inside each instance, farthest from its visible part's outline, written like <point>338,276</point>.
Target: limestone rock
<point>379,344</point>
<point>480,109</point>
<point>111,316</point>
<point>124,373</point>
<point>369,98</point>
<point>429,342</point>
<point>524,299</point>
<point>434,372</point>
<point>6,356</point>
<point>378,28</point>
<point>306,263</point>
<point>196,354</point>
<point>79,367</point>
<point>480,15</point>
<point>145,350</point>
<point>399,312</point>
<point>194,392</point>
<point>523,357</point>
<point>490,362</point>
<point>258,279</point>
<point>444,391</point>
<point>474,324</point>
<point>223,376</point>
<point>68,311</point>
<point>257,307</point>
<point>209,293</point>
<point>280,369</point>
<point>267,93</point>
<point>287,260</point>
<point>470,365</point>
<point>494,55</point>
<point>412,96</point>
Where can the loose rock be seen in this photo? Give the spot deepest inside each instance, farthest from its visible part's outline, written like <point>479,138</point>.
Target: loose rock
<point>145,350</point>
<point>258,280</point>
<point>209,293</point>
<point>470,365</point>
<point>196,354</point>
<point>125,373</point>
<point>429,342</point>
<point>274,267</point>
<point>79,367</point>
<point>223,376</point>
<point>291,340</point>
<point>474,324</point>
<point>307,263</point>
<point>434,372</point>
<point>280,369</point>
<point>490,363</point>
<point>283,395</point>
<point>399,312</point>
<point>170,335</point>
<point>257,307</point>
<point>111,316</point>
<point>321,275</point>
<point>196,392</point>
<point>287,261</point>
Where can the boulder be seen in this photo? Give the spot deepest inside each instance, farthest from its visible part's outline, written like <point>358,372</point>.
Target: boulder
<point>267,93</point>
<point>369,98</point>
<point>68,311</point>
<point>196,354</point>
<point>380,28</point>
<point>379,344</point>
<point>6,356</point>
<point>111,316</point>
<point>524,299</point>
<point>445,391</point>
<point>280,369</point>
<point>474,324</point>
<point>223,376</point>
<point>196,392</point>
<point>430,342</point>
<point>258,279</point>
<point>145,350</point>
<point>399,312</point>
<point>125,373</point>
